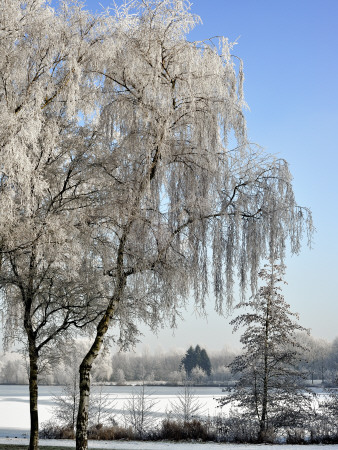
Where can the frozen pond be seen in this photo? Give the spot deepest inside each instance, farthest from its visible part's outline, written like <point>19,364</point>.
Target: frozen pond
<point>14,404</point>
<point>14,417</point>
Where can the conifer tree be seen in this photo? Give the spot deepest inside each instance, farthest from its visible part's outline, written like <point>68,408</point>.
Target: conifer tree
<point>188,361</point>
<point>196,358</point>
<point>205,363</point>
<point>271,385</point>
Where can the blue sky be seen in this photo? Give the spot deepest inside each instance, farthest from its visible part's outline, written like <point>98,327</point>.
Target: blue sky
<point>289,49</point>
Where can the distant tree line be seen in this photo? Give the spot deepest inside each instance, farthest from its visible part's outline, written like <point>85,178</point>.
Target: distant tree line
<point>320,367</point>
<point>122,367</point>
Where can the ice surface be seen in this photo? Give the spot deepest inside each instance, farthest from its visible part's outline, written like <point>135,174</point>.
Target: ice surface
<point>14,406</point>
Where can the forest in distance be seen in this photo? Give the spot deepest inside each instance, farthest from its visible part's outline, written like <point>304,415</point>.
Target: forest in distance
<point>159,367</point>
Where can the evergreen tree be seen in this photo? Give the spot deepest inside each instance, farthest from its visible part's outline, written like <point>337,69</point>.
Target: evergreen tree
<point>188,361</point>
<point>270,387</point>
<point>204,362</point>
<point>196,358</point>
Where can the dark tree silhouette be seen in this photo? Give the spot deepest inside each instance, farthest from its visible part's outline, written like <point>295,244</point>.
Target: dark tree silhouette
<point>205,363</point>
<point>196,358</point>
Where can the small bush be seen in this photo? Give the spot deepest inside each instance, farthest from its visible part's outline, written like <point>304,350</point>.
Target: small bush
<point>177,431</point>
<point>296,436</point>
<point>110,433</point>
<point>236,429</point>
<point>268,437</point>
<point>323,432</point>
<point>51,431</point>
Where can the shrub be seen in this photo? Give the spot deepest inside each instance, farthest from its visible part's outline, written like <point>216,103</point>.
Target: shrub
<point>110,433</point>
<point>296,436</point>
<point>51,431</point>
<point>237,429</point>
<point>177,431</point>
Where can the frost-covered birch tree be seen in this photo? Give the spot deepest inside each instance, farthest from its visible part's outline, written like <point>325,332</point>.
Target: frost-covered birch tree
<point>183,210</point>
<point>271,384</point>
<point>48,280</point>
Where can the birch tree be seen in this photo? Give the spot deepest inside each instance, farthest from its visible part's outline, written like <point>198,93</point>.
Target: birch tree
<point>45,310</point>
<point>183,212</point>
<point>43,187</point>
<point>271,384</point>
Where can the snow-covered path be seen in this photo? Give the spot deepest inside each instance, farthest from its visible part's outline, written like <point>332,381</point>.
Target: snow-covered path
<point>136,445</point>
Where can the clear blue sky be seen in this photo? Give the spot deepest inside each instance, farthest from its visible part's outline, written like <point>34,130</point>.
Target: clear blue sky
<point>289,49</point>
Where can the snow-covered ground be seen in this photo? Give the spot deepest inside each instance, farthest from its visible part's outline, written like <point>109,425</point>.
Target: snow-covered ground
<point>135,445</point>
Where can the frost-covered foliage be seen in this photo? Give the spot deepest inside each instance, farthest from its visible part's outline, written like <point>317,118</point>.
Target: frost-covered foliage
<point>42,76</point>
<point>271,385</point>
<point>44,187</point>
<point>12,369</point>
<point>187,209</point>
<point>117,127</point>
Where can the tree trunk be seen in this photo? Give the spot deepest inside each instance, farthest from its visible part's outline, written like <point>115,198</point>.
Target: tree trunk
<point>86,365</point>
<point>82,416</point>
<point>33,398</point>
<point>263,424</point>
<point>85,368</point>
<point>27,297</point>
